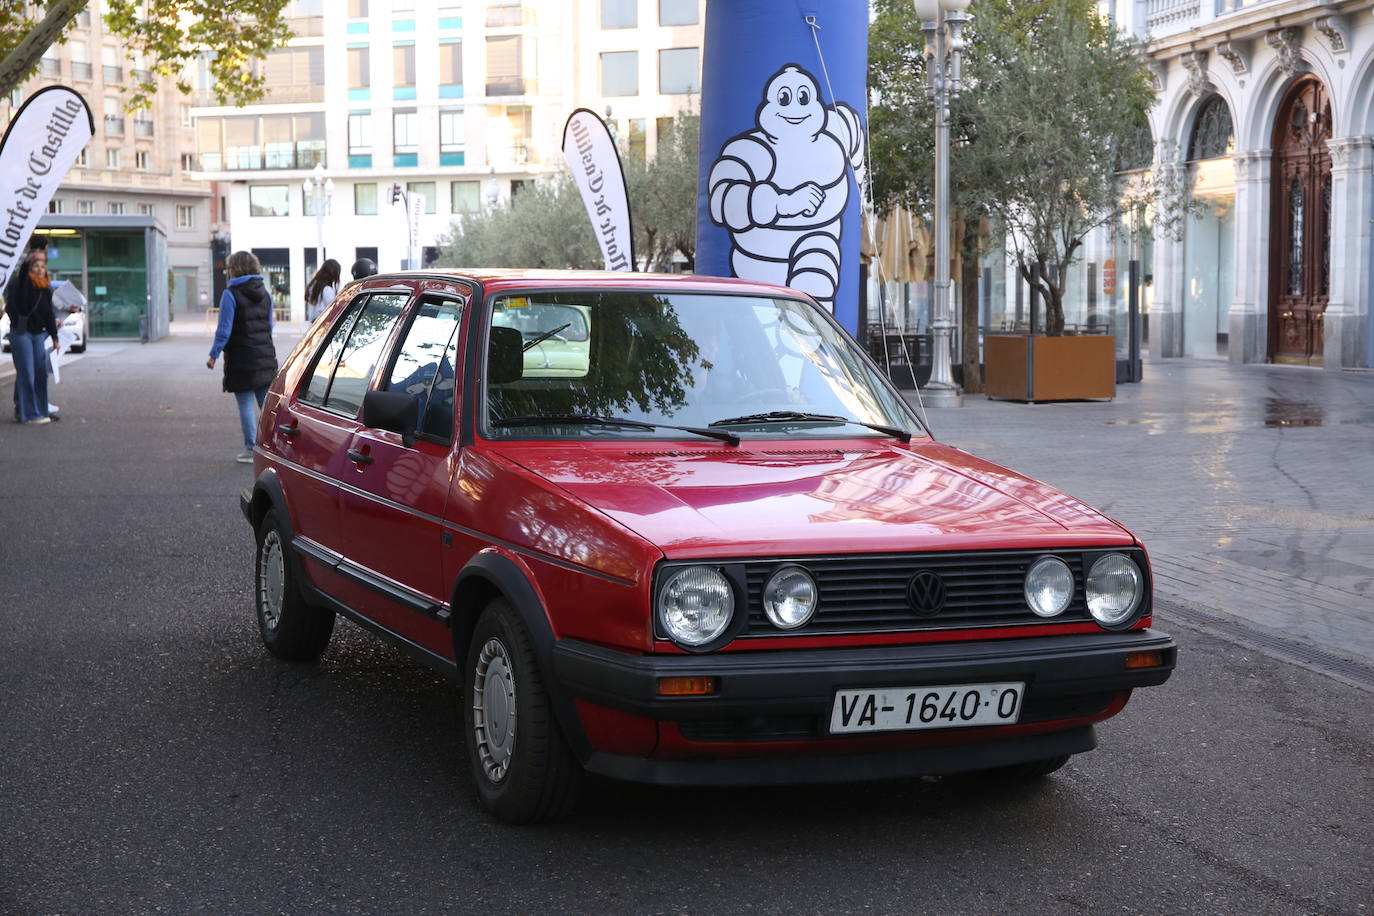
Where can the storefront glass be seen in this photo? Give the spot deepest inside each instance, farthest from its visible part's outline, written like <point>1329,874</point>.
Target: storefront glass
<point>117,282</point>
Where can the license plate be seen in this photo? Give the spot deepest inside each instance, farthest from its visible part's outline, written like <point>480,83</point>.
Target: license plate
<point>890,709</point>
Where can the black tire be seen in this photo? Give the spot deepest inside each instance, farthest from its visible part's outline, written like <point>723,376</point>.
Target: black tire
<point>521,764</point>
<point>78,348</point>
<point>1031,769</point>
<point>291,628</point>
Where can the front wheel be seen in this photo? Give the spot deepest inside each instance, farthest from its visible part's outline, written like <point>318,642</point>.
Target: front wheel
<point>520,762</point>
<point>291,628</point>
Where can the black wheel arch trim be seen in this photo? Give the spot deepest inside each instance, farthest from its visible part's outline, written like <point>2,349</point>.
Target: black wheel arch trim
<point>501,575</point>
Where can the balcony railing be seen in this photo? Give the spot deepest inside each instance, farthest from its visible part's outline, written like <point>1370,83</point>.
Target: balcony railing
<point>142,76</point>
<point>81,70</point>
<point>296,92</point>
<point>1168,15</point>
<point>510,85</point>
<point>256,158</point>
<point>51,66</point>
<point>307,26</point>
<point>510,15</point>
<point>143,128</point>
<point>1230,6</point>
<point>112,74</point>
<point>114,126</point>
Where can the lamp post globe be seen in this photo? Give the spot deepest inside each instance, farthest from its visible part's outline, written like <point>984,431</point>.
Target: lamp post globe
<point>927,10</point>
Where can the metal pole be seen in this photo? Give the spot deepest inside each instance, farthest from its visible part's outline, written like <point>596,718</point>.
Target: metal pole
<point>942,36</point>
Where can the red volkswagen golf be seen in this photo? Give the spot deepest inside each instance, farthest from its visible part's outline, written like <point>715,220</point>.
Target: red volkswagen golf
<point>678,530</point>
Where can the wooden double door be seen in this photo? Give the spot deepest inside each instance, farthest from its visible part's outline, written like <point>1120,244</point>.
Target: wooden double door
<point>1300,249</point>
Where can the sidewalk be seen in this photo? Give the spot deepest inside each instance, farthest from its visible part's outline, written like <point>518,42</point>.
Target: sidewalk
<point>1250,485</point>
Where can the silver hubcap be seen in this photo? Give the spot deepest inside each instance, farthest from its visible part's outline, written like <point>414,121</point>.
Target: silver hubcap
<point>493,709</point>
<point>271,580</point>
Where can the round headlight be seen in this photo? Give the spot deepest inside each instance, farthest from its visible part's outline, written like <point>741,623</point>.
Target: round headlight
<point>1115,587</point>
<point>695,604</point>
<point>1049,586</point>
<point>789,597</point>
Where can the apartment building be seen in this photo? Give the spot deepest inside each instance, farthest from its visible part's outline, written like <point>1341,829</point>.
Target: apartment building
<point>1266,109</point>
<point>457,101</point>
<point>129,225</point>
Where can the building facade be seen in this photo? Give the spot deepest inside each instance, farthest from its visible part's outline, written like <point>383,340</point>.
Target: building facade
<point>455,101</point>
<point>134,182</point>
<point>1266,109</point>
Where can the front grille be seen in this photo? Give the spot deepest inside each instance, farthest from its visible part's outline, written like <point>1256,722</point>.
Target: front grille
<point>868,594</point>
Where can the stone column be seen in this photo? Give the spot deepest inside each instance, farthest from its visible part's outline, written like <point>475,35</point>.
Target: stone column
<point>1166,311</point>
<point>1352,208</point>
<point>1248,319</point>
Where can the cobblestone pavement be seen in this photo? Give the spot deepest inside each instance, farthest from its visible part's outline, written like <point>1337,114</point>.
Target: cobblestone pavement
<point>1251,486</point>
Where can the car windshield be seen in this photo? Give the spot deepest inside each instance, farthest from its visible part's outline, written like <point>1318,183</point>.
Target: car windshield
<point>568,365</point>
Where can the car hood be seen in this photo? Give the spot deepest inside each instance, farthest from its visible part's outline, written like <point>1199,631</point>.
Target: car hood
<point>767,498</point>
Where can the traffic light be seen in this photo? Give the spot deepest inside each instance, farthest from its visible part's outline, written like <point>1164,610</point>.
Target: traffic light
<point>396,193</point>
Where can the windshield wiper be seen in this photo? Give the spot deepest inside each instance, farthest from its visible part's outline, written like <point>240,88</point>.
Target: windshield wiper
<point>545,336</point>
<point>787,416</point>
<point>592,419</point>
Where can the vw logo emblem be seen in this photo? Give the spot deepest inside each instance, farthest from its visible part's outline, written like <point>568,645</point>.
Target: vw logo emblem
<point>926,593</point>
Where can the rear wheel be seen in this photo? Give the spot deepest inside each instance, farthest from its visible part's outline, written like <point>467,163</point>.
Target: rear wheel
<point>291,628</point>
<point>520,762</point>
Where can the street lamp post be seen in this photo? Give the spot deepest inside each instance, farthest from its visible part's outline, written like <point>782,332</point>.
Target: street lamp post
<point>943,24</point>
<point>320,192</point>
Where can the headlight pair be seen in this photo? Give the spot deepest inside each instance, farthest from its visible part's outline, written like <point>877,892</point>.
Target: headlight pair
<point>1114,589</point>
<point>696,604</point>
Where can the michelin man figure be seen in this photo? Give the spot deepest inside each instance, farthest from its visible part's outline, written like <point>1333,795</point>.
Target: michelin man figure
<point>781,188</point>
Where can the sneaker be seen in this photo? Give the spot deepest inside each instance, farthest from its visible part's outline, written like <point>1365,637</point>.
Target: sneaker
<point>241,457</point>
<point>39,421</point>
<point>52,409</point>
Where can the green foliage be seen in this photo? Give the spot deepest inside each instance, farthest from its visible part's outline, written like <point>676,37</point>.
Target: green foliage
<point>234,36</point>
<point>1051,92</point>
<point>546,224</point>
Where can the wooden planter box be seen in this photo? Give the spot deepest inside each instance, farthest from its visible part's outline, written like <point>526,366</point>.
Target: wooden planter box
<point>1023,367</point>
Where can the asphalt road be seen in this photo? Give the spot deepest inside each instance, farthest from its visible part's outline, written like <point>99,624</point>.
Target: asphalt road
<point>154,758</point>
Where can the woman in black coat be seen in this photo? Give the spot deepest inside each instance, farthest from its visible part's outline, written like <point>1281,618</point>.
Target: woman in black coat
<point>244,336</point>
<point>28,302</point>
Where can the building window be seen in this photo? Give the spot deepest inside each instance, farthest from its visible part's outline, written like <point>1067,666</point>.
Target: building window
<point>188,162</point>
<point>365,199</point>
<point>141,160</point>
<point>85,207</point>
<point>359,62</point>
<point>357,9</point>
<point>638,138</point>
<point>115,208</point>
<point>268,200</point>
<point>677,12</point>
<point>81,60</point>
<point>405,133</point>
<point>147,210</point>
<point>112,159</point>
<point>403,65</point>
<point>114,117</point>
<point>57,205</point>
<point>51,66</point>
<point>451,63</point>
<point>505,76</point>
<point>294,75</point>
<point>620,73</point>
<point>466,196</point>
<point>186,116</point>
<point>429,189</point>
<point>83,158</point>
<point>678,71</point>
<point>619,14</point>
<point>451,137</point>
<point>1213,133</point>
<point>110,65</point>
<point>359,139</point>
<point>186,216</point>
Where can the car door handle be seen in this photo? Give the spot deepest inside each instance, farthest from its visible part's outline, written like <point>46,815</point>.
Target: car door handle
<point>358,457</point>
<point>291,431</point>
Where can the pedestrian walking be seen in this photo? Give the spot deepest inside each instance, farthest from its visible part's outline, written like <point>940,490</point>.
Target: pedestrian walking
<point>363,268</point>
<point>28,302</point>
<point>322,289</point>
<point>244,337</point>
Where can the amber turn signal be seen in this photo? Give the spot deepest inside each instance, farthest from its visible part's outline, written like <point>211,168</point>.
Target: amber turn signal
<point>1144,659</point>
<point>686,686</point>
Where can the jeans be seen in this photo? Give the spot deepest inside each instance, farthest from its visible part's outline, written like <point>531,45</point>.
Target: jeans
<point>248,415</point>
<point>31,374</point>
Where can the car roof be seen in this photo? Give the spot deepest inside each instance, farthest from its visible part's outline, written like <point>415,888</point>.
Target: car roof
<point>496,279</point>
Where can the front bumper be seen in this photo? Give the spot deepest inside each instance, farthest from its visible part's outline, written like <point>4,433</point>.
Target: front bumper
<point>785,696</point>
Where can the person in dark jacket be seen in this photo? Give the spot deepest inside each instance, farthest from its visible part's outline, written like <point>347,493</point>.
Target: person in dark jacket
<point>244,336</point>
<point>28,302</point>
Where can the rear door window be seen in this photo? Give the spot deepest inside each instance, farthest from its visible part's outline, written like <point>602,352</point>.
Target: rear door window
<point>425,365</point>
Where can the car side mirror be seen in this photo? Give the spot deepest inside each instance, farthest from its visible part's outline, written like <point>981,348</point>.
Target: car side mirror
<point>397,411</point>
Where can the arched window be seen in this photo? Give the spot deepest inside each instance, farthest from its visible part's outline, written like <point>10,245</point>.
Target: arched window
<point>1213,134</point>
